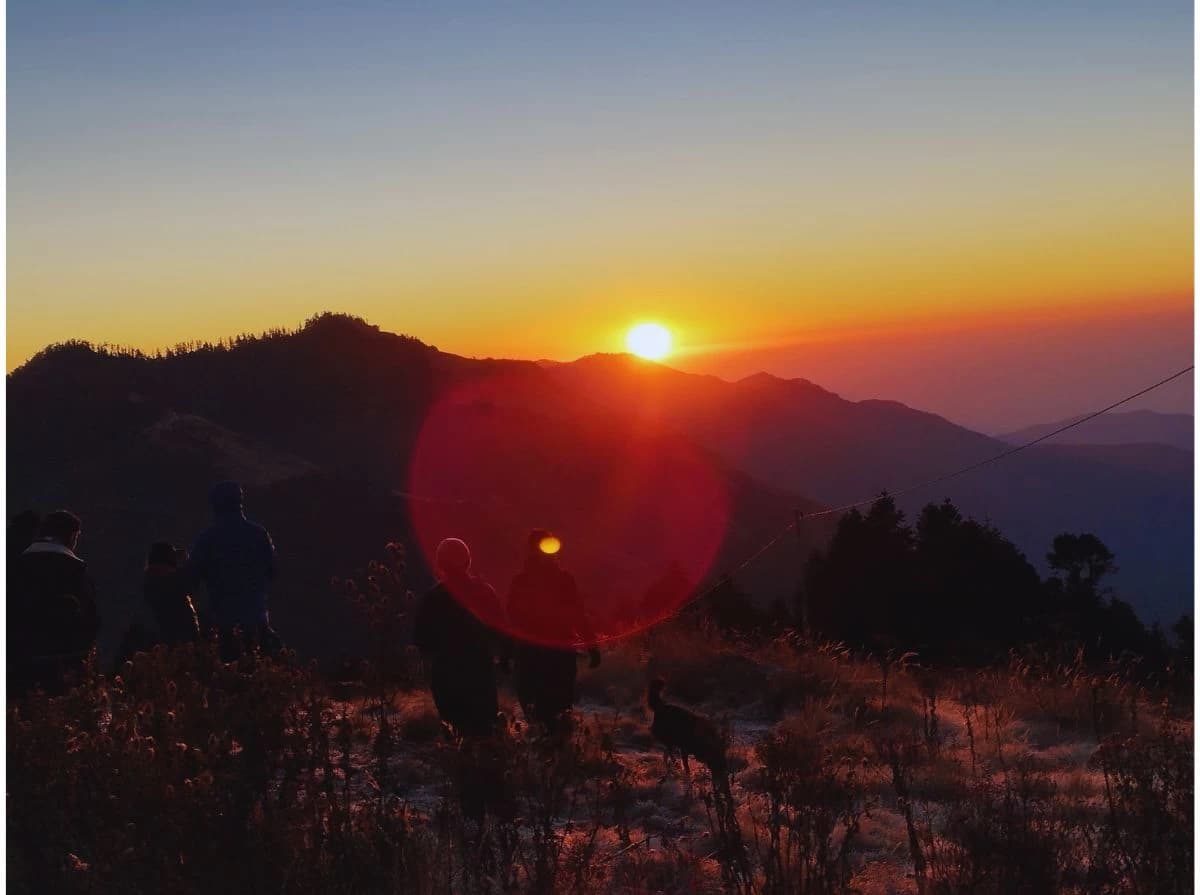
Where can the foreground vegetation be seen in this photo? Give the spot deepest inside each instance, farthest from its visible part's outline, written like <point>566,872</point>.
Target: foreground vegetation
<point>848,773</point>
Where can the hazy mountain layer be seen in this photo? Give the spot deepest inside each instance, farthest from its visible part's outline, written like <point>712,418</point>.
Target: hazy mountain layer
<point>1133,427</point>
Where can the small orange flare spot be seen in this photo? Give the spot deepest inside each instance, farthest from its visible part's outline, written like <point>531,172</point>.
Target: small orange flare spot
<point>550,545</point>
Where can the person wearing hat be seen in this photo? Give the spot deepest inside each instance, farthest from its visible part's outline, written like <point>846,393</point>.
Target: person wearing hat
<point>456,627</point>
<point>234,559</point>
<point>548,616</point>
<point>52,614</point>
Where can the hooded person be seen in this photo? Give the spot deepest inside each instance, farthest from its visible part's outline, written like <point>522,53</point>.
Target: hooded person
<point>456,627</point>
<point>547,613</point>
<point>52,614</point>
<point>235,560</point>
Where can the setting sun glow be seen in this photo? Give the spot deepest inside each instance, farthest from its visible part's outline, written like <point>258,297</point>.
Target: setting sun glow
<point>649,340</point>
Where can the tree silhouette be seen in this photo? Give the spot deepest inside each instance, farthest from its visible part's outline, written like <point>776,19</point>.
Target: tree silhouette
<point>1084,562</point>
<point>956,590</point>
<point>859,589</point>
<point>1185,634</point>
<point>976,592</point>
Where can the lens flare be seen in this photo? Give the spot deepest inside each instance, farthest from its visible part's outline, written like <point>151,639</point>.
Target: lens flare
<point>649,340</point>
<point>646,513</point>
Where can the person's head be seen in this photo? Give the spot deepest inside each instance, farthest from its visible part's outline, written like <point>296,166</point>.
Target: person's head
<point>162,553</point>
<point>453,558</point>
<point>62,527</point>
<point>226,497</point>
<point>542,546</point>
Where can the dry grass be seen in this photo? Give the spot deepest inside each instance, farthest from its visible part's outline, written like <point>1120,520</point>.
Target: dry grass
<point>847,774</point>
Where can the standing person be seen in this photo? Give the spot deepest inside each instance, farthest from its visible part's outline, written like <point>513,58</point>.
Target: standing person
<point>547,613</point>
<point>235,559</point>
<point>165,587</point>
<point>455,627</point>
<point>52,615</point>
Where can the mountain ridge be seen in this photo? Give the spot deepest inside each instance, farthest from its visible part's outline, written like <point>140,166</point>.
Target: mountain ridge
<point>351,401</point>
<point>1128,427</point>
<point>808,439</point>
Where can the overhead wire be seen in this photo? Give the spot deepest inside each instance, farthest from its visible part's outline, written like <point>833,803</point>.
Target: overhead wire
<point>928,483</point>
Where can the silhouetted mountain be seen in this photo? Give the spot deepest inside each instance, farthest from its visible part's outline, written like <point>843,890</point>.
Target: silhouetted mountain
<point>347,437</point>
<point>1133,427</point>
<point>799,436</point>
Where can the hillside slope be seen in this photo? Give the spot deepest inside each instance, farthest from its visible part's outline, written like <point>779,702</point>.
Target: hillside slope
<point>1176,430</point>
<point>801,437</point>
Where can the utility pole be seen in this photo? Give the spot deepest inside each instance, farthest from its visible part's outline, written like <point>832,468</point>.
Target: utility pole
<point>802,596</point>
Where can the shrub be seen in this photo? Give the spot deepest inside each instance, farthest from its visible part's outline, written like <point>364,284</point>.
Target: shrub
<point>1145,844</point>
<point>813,801</point>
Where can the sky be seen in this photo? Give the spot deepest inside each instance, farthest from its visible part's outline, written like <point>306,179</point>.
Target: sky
<point>982,209</point>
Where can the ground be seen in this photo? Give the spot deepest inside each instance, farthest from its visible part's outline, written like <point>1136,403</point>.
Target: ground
<point>1001,761</point>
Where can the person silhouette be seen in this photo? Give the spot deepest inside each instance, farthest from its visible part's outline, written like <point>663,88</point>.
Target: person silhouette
<point>165,587</point>
<point>456,627</point>
<point>235,560</point>
<point>548,617</point>
<point>52,614</point>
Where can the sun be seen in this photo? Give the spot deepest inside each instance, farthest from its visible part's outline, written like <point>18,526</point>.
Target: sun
<point>649,340</point>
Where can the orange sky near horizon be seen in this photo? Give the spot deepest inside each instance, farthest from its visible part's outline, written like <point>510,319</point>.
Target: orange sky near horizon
<point>555,318</point>
<point>740,267</point>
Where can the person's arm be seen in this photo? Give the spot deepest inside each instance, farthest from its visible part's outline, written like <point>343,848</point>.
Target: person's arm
<point>583,625</point>
<point>74,614</point>
<point>196,572</point>
<point>489,611</point>
<point>512,612</point>
<point>269,547</point>
<point>196,567</point>
<point>493,616</point>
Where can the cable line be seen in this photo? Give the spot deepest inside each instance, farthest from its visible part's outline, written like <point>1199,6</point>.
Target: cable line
<point>1016,449</point>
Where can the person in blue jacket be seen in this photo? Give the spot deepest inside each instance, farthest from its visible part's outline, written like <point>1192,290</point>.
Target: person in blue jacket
<point>234,558</point>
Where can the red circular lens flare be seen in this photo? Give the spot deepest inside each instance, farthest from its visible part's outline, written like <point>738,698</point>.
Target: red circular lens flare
<point>643,513</point>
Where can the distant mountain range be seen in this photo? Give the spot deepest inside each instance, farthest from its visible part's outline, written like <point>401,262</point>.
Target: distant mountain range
<point>347,437</point>
<point>1133,427</point>
<point>799,436</point>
